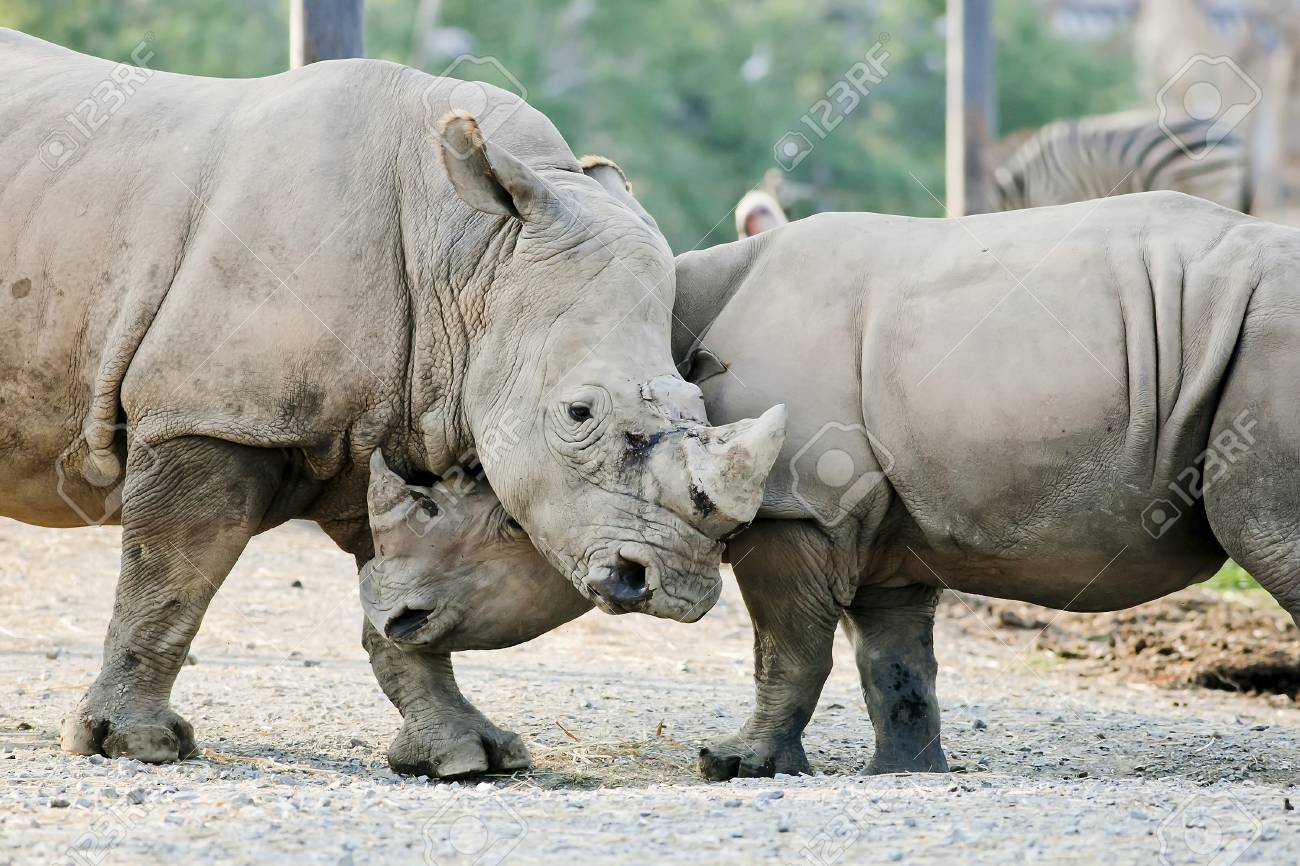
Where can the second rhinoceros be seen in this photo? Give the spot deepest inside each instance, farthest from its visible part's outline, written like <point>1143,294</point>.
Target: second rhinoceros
<point>222,296</point>
<point>1086,407</point>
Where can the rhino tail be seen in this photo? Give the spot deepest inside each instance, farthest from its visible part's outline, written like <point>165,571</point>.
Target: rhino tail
<point>104,464</point>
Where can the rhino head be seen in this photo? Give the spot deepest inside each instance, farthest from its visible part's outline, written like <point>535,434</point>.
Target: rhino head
<point>593,442</point>
<point>452,571</point>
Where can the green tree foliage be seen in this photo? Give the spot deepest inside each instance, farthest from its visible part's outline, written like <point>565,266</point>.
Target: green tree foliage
<point>224,38</point>
<point>689,96</point>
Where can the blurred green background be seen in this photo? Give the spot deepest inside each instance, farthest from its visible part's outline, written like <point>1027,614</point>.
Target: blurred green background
<point>689,96</point>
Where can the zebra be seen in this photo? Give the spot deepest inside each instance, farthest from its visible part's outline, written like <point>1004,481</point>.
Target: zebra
<point>1114,154</point>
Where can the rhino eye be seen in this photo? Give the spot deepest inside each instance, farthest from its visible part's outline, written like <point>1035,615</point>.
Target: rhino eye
<point>579,412</point>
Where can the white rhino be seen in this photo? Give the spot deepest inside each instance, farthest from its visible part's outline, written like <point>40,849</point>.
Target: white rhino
<point>1086,407</point>
<point>221,296</point>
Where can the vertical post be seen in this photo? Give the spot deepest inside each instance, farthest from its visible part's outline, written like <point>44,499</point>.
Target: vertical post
<point>325,30</point>
<point>971,119</point>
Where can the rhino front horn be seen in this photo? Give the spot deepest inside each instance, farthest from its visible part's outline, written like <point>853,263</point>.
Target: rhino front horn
<point>730,469</point>
<point>386,493</point>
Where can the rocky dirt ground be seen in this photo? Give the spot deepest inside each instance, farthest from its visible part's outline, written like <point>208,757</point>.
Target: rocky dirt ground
<point>1065,756</point>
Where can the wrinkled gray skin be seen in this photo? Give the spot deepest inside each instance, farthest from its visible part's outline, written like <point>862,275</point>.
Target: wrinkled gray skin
<point>1018,467</point>
<point>440,292</point>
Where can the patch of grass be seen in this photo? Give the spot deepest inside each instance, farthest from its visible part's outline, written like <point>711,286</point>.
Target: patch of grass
<point>1044,659</point>
<point>1232,578</point>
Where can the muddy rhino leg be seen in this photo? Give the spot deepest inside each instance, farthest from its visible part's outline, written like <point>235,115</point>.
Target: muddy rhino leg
<point>189,506</point>
<point>794,616</point>
<point>443,735</point>
<point>893,635</point>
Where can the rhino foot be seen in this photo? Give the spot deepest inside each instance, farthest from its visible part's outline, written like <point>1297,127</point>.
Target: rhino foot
<point>155,735</point>
<point>929,760</point>
<point>466,746</point>
<point>744,757</point>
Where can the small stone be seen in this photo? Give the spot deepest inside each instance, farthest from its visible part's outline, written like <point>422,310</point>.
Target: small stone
<point>136,796</point>
<point>310,663</point>
<point>297,584</point>
<point>59,803</point>
<point>981,725</point>
<point>24,726</point>
<point>731,804</point>
<point>770,795</point>
<point>54,653</point>
<point>359,744</point>
<point>191,659</point>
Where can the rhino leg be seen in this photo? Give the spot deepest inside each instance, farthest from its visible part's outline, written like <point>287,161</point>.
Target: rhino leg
<point>189,506</point>
<point>893,634</point>
<point>443,735</point>
<point>794,616</point>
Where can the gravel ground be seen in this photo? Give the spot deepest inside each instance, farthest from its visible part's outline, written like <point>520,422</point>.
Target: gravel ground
<point>1054,767</point>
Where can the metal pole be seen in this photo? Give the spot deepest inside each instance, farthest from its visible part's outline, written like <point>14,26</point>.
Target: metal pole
<point>971,119</point>
<point>325,30</point>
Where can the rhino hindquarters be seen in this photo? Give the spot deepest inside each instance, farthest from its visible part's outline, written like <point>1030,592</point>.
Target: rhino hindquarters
<point>1252,464</point>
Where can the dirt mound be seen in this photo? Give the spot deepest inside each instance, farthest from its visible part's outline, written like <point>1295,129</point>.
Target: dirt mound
<point>1191,638</point>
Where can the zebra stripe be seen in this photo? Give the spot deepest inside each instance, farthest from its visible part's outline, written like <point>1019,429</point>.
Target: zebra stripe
<point>1115,154</point>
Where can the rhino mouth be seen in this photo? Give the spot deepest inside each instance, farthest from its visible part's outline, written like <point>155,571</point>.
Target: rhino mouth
<point>406,623</point>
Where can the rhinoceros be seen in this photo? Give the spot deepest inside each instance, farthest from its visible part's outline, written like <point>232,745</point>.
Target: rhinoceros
<point>222,295</point>
<point>1087,407</point>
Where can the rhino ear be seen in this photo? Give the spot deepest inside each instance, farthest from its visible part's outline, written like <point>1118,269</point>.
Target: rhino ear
<point>485,175</point>
<point>607,173</point>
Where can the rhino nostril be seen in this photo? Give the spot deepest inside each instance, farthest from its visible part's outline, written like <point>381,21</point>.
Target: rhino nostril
<point>625,582</point>
<point>406,623</point>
